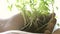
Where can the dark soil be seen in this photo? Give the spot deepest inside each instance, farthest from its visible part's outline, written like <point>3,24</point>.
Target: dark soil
<point>45,22</point>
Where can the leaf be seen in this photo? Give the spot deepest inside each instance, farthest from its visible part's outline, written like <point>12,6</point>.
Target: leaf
<point>17,1</point>
<point>10,7</point>
<point>18,6</point>
<point>46,3</point>
<point>41,0</point>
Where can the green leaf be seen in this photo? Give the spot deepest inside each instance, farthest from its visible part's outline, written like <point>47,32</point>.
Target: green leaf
<point>46,3</point>
<point>10,7</point>
<point>17,1</point>
<point>18,6</point>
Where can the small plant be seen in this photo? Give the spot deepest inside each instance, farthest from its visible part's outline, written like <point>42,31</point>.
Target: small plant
<point>39,16</point>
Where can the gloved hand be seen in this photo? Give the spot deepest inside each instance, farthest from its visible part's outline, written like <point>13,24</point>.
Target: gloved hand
<point>51,24</point>
<point>57,31</point>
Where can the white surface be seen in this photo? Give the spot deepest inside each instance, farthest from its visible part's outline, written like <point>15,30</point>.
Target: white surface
<point>17,32</point>
<point>4,12</point>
